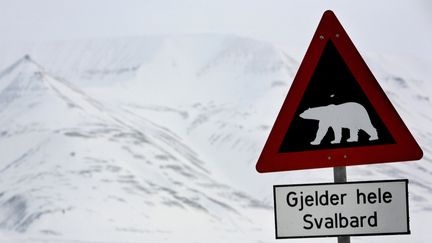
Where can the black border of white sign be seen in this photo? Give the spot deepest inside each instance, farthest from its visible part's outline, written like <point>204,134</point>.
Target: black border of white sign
<point>359,208</point>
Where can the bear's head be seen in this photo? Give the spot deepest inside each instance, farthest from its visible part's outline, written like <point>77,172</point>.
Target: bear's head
<point>316,113</point>
<point>308,114</point>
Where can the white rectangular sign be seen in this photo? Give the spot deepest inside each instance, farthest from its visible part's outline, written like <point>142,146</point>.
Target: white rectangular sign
<point>336,209</point>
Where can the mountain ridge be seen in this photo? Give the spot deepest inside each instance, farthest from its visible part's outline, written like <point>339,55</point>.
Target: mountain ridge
<point>94,149</point>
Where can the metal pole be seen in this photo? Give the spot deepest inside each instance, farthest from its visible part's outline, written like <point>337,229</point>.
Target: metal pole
<point>340,175</point>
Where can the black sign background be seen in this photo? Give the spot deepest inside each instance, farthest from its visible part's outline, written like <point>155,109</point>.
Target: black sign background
<point>331,83</point>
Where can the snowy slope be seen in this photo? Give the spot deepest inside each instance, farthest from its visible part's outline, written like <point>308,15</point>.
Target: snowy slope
<point>172,126</point>
<point>70,166</point>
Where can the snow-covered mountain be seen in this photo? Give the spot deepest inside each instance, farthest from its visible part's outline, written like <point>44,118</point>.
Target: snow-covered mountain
<point>69,166</point>
<point>156,139</point>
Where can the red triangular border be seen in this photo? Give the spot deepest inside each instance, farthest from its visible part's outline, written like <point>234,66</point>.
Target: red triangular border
<point>405,148</point>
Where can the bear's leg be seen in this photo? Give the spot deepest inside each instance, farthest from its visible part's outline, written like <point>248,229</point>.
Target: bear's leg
<point>338,135</point>
<point>322,130</point>
<point>353,135</point>
<point>372,133</point>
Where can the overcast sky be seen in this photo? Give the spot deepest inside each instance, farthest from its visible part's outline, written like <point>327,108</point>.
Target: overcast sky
<point>384,26</point>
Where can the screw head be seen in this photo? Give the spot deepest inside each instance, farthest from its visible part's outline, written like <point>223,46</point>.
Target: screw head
<point>337,35</point>
<point>321,37</point>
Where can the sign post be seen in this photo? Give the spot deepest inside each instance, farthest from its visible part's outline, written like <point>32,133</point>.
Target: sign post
<point>336,115</point>
<point>340,176</point>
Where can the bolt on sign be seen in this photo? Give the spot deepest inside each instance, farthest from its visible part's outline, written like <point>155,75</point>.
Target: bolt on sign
<point>338,209</point>
<point>335,113</point>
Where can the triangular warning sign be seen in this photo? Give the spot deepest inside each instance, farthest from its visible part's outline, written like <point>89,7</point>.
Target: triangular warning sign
<point>335,113</point>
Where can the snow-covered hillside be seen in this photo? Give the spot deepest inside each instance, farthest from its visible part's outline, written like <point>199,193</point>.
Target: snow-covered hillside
<point>70,166</point>
<point>156,139</point>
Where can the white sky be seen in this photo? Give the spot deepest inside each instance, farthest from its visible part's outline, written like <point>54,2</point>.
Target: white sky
<point>379,26</point>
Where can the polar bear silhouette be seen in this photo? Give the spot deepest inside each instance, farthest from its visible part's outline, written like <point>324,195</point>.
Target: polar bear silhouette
<point>349,115</point>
